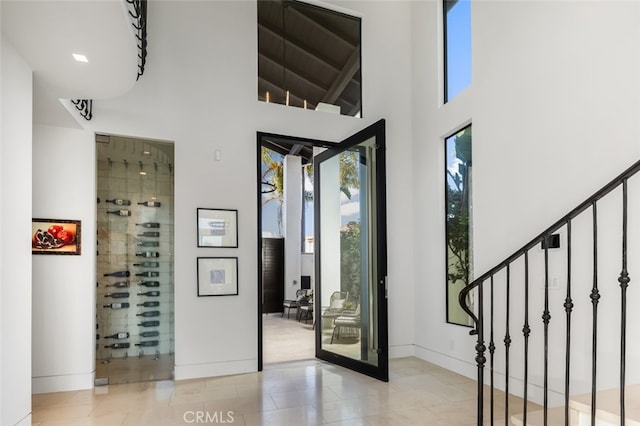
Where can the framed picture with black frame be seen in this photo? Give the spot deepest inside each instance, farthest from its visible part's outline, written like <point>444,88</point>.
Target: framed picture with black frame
<point>217,276</point>
<point>217,227</point>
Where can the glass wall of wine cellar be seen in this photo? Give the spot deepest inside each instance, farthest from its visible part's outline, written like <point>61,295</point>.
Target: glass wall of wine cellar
<point>134,312</point>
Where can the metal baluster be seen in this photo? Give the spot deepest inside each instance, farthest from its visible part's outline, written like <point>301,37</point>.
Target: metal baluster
<point>492,350</point>
<point>568,308</point>
<point>546,317</point>
<point>526,331</point>
<point>480,358</point>
<point>507,344</point>
<point>595,297</point>
<point>624,283</point>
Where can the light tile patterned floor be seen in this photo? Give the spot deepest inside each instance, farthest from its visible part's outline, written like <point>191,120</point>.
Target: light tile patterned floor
<point>297,393</point>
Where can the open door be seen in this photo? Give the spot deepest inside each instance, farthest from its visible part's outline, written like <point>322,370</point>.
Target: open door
<point>351,253</point>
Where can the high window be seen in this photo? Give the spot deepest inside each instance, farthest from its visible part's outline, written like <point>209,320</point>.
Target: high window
<point>458,204</point>
<point>457,47</point>
<point>309,57</point>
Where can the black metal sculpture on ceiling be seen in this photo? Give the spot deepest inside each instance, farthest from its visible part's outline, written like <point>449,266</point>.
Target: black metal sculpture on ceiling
<point>138,12</point>
<point>85,106</point>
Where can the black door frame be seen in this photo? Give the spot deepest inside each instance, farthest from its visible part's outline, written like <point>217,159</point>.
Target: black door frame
<point>377,129</point>
<point>381,370</point>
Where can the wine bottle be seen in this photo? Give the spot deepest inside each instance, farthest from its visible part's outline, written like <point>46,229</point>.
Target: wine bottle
<point>149,304</point>
<point>149,293</point>
<point>149,323</point>
<point>148,274</point>
<point>119,202</point>
<point>149,333</point>
<point>119,212</point>
<point>121,295</point>
<point>150,203</point>
<point>147,254</point>
<point>149,283</point>
<point>119,284</point>
<point>149,225</point>
<point>121,335</point>
<point>148,244</point>
<point>148,343</point>
<point>117,345</point>
<point>147,264</point>
<point>149,234</point>
<point>149,314</point>
<point>118,274</point>
<point>116,305</point>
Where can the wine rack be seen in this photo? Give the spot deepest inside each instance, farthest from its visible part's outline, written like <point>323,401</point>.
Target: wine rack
<point>135,275</point>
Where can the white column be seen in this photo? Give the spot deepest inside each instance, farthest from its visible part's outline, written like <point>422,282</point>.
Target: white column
<point>292,221</point>
<point>330,228</point>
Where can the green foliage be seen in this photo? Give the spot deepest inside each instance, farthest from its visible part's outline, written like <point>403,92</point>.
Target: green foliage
<point>350,260</point>
<point>458,209</point>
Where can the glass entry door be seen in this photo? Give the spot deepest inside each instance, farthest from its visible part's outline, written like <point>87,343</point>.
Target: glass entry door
<point>350,253</point>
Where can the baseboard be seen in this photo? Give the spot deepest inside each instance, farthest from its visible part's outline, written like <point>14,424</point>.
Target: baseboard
<point>214,369</point>
<point>62,383</point>
<point>25,422</point>
<point>446,361</point>
<point>401,351</point>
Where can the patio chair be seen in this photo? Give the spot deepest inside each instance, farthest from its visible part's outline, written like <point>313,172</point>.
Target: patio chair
<point>301,299</point>
<point>335,308</point>
<point>347,324</point>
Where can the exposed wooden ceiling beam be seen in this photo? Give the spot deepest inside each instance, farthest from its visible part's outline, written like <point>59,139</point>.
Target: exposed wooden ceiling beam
<point>329,31</point>
<point>298,46</point>
<point>347,73</point>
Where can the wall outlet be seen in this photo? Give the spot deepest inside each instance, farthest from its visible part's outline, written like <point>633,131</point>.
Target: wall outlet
<point>554,284</point>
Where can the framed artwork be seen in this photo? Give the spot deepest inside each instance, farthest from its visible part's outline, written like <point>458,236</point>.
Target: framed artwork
<point>55,236</point>
<point>217,228</point>
<point>217,276</point>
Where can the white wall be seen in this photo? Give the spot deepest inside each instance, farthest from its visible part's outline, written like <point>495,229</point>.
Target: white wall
<point>199,90</point>
<point>554,102</point>
<point>15,251</point>
<point>64,286</point>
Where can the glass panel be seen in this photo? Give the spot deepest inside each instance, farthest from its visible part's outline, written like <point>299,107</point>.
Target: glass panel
<point>457,28</point>
<point>458,221</point>
<point>347,252</point>
<point>134,262</point>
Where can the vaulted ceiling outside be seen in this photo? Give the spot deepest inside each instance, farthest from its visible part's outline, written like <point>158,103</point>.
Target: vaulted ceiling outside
<point>309,56</point>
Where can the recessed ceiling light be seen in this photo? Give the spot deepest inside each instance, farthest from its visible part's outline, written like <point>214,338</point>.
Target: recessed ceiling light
<point>80,57</point>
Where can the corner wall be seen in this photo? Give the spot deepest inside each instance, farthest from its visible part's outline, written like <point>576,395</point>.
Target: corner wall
<point>64,287</point>
<point>15,249</point>
<point>554,103</point>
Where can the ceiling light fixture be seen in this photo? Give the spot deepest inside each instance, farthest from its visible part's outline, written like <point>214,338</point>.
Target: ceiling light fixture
<point>80,57</point>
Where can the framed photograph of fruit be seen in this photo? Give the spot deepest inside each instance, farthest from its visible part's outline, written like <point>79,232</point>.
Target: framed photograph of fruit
<point>55,236</point>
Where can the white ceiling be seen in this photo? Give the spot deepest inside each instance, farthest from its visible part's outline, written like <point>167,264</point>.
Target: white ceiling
<point>46,33</point>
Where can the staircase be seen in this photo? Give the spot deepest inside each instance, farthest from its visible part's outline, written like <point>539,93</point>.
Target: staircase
<point>607,412</point>
<point>551,322</point>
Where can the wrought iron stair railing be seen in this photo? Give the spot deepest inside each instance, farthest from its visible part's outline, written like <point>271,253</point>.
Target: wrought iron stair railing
<point>485,323</point>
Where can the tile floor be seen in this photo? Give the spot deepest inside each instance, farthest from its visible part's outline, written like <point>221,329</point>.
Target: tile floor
<point>297,393</point>
<point>287,392</point>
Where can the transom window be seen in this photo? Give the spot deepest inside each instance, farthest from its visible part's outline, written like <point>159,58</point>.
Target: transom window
<point>457,47</point>
<point>309,57</point>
